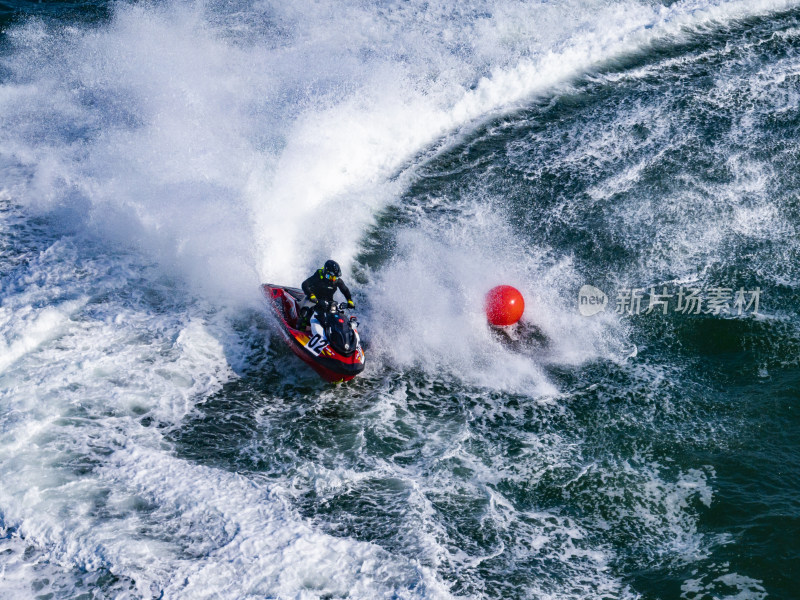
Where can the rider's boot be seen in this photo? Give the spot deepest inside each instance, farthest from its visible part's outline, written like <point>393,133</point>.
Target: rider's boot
<point>304,319</point>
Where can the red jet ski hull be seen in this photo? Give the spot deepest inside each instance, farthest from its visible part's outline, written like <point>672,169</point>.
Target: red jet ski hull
<point>332,366</point>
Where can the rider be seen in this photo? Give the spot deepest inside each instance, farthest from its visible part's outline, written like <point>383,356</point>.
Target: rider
<point>321,286</point>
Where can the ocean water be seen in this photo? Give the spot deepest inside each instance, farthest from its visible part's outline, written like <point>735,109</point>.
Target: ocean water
<point>160,160</point>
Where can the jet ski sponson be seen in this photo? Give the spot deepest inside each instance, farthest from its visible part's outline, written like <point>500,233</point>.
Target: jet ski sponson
<point>336,355</point>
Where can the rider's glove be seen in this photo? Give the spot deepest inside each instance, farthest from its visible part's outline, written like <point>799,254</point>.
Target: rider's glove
<point>350,304</point>
<point>313,298</point>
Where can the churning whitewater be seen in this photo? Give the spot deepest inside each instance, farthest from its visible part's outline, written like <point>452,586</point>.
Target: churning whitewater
<point>159,161</point>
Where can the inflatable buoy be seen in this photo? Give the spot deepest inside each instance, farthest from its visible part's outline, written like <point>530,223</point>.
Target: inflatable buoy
<point>504,305</point>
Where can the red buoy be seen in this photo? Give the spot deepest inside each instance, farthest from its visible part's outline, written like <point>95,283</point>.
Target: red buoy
<point>504,305</point>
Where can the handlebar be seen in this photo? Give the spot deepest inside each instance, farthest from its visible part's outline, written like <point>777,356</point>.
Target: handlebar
<point>333,306</point>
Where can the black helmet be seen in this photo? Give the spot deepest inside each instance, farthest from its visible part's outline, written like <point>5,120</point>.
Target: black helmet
<point>332,267</point>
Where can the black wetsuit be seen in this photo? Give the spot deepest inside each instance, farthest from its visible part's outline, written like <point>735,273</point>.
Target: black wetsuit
<point>323,288</point>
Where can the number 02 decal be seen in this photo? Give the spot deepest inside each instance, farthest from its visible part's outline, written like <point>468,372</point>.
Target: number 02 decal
<point>316,344</point>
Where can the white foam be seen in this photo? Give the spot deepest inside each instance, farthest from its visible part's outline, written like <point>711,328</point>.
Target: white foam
<point>31,329</point>
<point>234,155</point>
<point>429,302</point>
<point>730,586</point>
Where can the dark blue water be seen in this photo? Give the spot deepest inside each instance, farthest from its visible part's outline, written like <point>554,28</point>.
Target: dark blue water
<point>159,160</point>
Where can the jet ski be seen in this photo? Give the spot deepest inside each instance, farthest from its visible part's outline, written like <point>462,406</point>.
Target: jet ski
<point>331,345</point>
